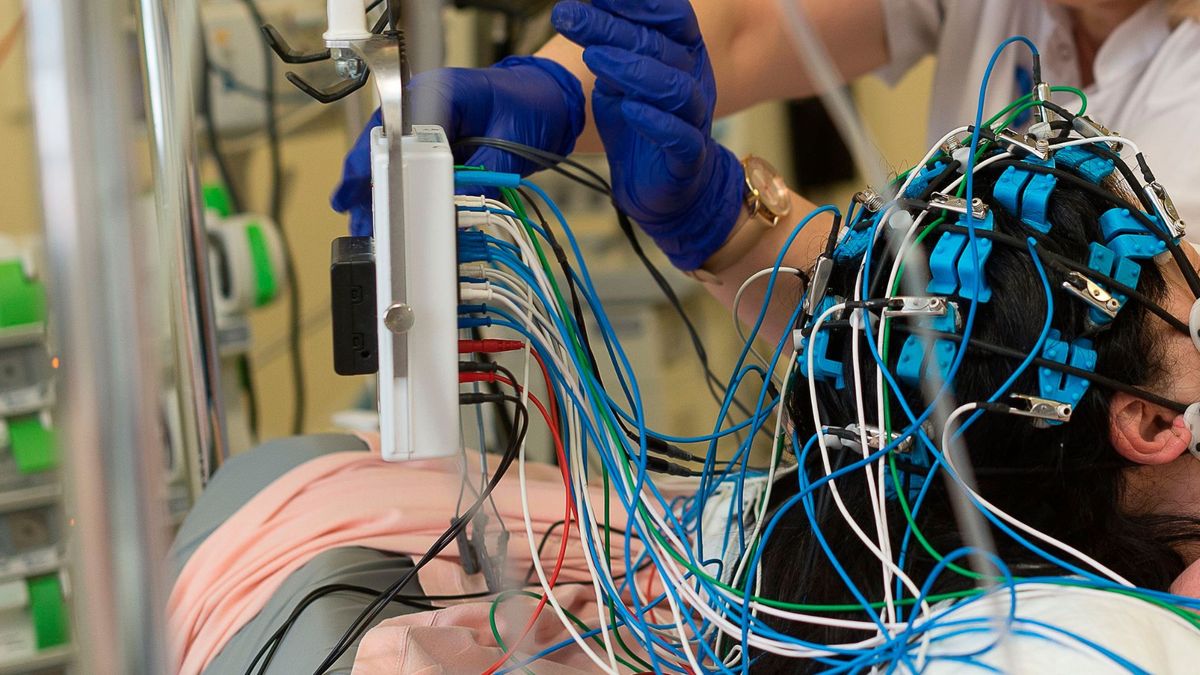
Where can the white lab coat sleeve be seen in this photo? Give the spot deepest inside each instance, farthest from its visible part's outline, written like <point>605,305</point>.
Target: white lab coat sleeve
<point>913,28</point>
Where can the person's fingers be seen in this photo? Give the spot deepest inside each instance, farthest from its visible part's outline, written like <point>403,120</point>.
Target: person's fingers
<point>355,187</point>
<point>362,220</point>
<point>682,144</point>
<point>586,26</point>
<point>649,81</point>
<point>673,18</point>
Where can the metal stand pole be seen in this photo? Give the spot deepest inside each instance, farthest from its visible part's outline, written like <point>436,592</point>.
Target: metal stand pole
<point>167,35</point>
<point>101,297</point>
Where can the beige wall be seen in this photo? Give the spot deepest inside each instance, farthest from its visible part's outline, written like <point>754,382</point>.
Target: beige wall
<point>19,211</point>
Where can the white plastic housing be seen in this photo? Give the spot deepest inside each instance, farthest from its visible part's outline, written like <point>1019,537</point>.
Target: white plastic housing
<point>347,20</point>
<point>418,402</point>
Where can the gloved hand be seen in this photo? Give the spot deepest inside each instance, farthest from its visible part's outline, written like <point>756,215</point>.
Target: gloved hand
<point>525,99</point>
<point>653,105</point>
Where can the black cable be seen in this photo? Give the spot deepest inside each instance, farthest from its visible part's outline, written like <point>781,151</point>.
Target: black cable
<point>1062,262</point>
<point>210,132</point>
<point>1016,354</point>
<point>360,625</point>
<point>372,610</point>
<point>275,212</point>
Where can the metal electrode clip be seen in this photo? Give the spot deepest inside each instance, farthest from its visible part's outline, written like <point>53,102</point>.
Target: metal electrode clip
<point>1161,199</point>
<point>916,306</point>
<point>1040,408</point>
<point>1092,293</point>
<point>1019,144</point>
<point>938,200</point>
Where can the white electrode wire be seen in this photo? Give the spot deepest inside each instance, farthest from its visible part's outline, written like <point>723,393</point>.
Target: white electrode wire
<point>764,499</point>
<point>504,297</point>
<point>876,499</point>
<point>830,85</point>
<point>949,456</point>
<point>737,303</point>
<point>828,466</point>
<point>1099,139</point>
<point>526,512</point>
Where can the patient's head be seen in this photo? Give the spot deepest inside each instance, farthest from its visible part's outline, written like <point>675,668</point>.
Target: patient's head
<point>1116,481</point>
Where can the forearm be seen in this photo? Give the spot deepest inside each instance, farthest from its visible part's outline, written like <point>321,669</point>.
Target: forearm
<point>801,255</point>
<point>751,52</point>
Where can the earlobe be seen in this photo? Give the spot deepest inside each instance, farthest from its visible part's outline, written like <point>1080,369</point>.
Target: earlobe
<point>1144,433</point>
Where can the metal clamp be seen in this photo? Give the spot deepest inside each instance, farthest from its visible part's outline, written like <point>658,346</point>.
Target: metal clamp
<point>1089,128</point>
<point>1092,293</point>
<point>820,281</point>
<point>938,200</point>
<point>1039,408</point>
<point>877,439</point>
<point>1161,199</point>
<point>1029,145</point>
<point>916,306</point>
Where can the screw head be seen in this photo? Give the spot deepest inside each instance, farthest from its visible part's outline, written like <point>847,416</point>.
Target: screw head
<point>399,318</point>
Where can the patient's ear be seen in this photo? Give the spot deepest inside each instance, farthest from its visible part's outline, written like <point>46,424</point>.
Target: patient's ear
<point>1145,433</point>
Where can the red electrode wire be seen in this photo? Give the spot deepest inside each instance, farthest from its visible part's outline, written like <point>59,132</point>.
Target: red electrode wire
<point>568,516</point>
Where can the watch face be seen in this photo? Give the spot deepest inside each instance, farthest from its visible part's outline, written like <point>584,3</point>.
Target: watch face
<point>772,192</point>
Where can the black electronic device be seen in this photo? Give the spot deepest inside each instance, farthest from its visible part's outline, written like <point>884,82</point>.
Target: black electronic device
<point>352,282</point>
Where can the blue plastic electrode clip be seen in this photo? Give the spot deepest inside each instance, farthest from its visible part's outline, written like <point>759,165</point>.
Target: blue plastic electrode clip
<point>1124,271</point>
<point>925,175</point>
<point>1026,195</point>
<point>1128,237</point>
<point>1085,163</point>
<point>913,364</point>
<point>952,266</point>
<point>1063,387</point>
<point>825,369</point>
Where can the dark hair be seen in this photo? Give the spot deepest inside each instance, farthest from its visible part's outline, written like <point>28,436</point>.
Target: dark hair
<point>1064,480</point>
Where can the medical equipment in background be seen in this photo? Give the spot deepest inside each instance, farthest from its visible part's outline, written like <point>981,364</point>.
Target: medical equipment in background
<point>34,630</point>
<point>415,290</point>
<point>248,271</point>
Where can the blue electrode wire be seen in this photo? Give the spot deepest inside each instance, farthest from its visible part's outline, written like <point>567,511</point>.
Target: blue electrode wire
<point>1037,349</point>
<point>976,280</point>
<point>753,333</point>
<point>601,318</point>
<point>634,618</point>
<point>586,282</point>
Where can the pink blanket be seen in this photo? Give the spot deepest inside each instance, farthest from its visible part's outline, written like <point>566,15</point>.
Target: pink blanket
<point>356,499</point>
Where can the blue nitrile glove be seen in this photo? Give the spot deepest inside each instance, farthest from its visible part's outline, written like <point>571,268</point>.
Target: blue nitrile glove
<point>653,105</point>
<point>526,99</point>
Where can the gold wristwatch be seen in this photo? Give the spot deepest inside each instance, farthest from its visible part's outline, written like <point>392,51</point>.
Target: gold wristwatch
<point>767,202</point>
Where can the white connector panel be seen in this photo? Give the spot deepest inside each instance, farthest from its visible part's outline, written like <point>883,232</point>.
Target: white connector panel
<point>418,397</point>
